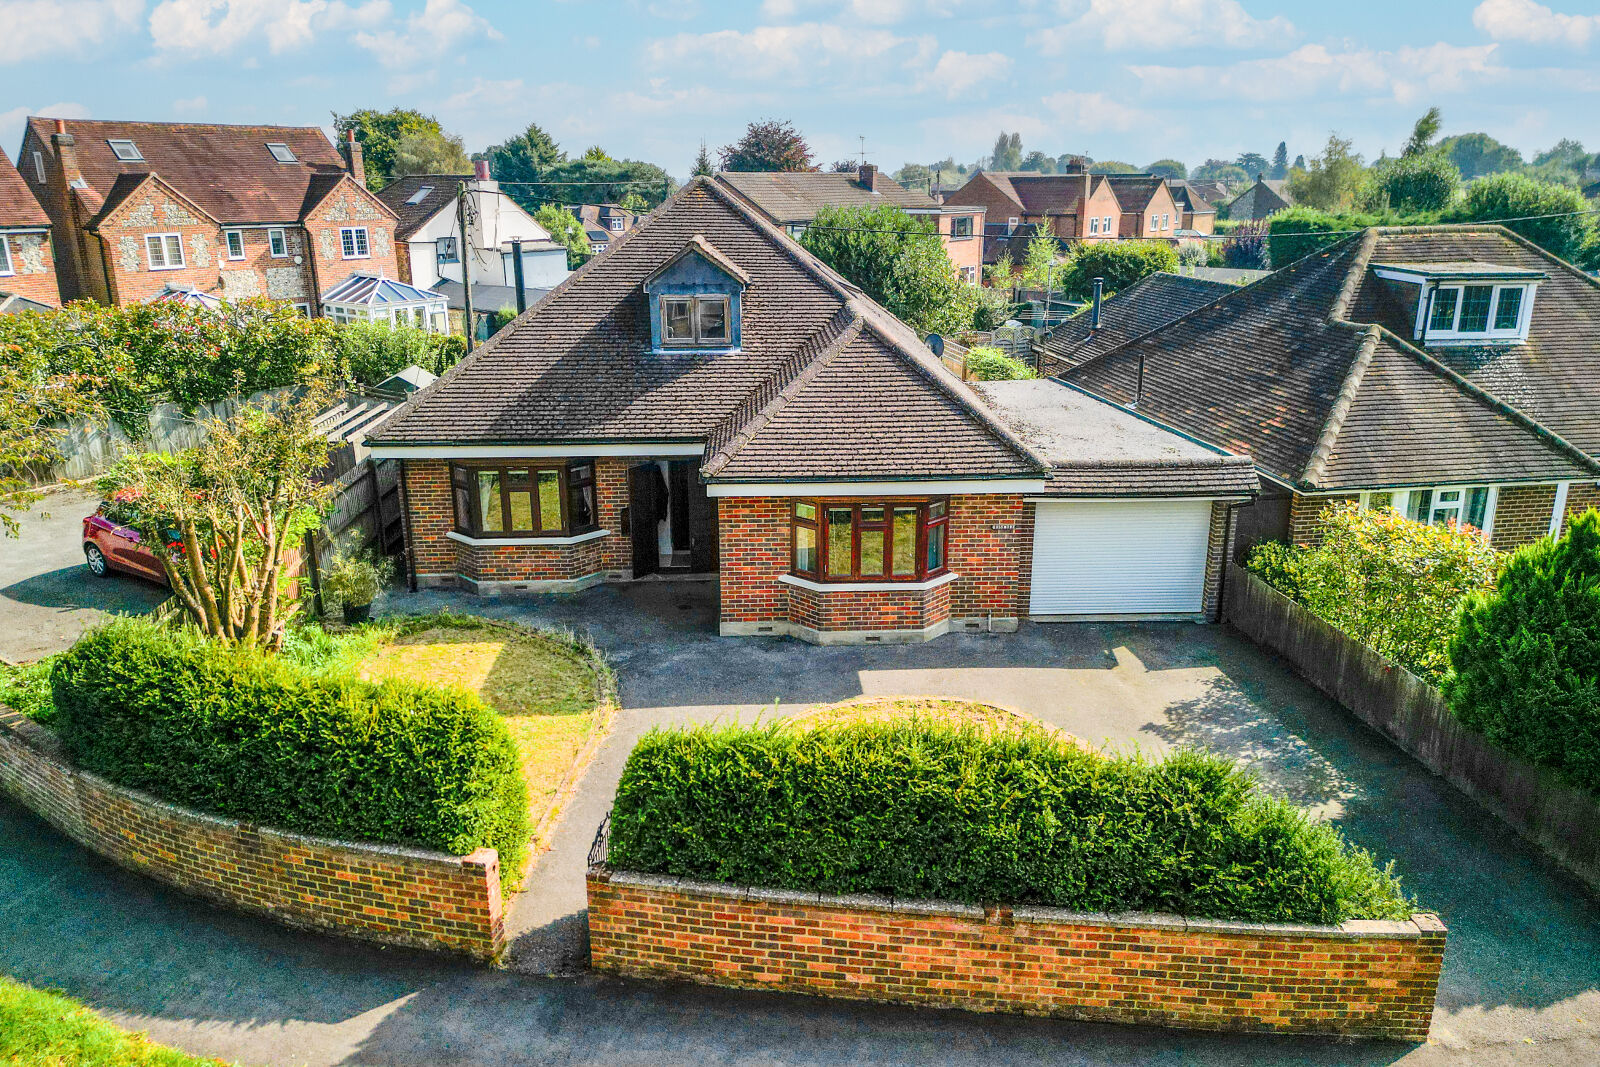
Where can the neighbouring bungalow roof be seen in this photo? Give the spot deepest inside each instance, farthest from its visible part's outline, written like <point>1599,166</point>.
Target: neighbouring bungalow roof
<point>18,207</point>
<point>796,196</point>
<point>1146,304</point>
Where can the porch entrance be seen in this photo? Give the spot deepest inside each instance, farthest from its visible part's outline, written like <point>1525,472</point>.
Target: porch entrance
<point>672,522</point>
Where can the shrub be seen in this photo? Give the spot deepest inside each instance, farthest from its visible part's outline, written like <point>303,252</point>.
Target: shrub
<point>1246,249</point>
<point>1300,231</point>
<point>986,363</point>
<point>371,351</point>
<point>1426,181</point>
<point>1279,565</point>
<point>238,733</point>
<point>1120,263</point>
<point>1193,254</point>
<point>921,810</point>
<point>1525,659</point>
<point>1516,196</point>
<point>1393,584</point>
<point>27,689</point>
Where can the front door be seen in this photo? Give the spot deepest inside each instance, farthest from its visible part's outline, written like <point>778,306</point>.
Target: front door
<point>644,503</point>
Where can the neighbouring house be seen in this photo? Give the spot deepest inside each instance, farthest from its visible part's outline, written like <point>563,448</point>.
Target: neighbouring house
<point>27,261</point>
<point>604,224</point>
<point>1212,190</point>
<point>234,211</point>
<point>375,299</point>
<point>429,247</point>
<point>1449,373</point>
<point>1266,197</point>
<point>1197,213</point>
<point>791,200</point>
<point>710,398</point>
<point>1147,304</point>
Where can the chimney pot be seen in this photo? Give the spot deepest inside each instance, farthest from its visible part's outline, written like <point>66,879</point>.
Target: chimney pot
<point>480,169</point>
<point>61,125</point>
<point>1094,314</point>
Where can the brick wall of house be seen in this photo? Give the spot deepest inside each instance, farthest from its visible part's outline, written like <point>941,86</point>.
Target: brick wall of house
<point>913,609</point>
<point>991,548</point>
<point>1522,515</point>
<point>1305,523</point>
<point>259,273</point>
<point>386,893</point>
<point>349,205</point>
<point>126,259</point>
<point>1580,498</point>
<point>753,540</point>
<point>33,266</point>
<point>1360,978</point>
<point>1222,517</point>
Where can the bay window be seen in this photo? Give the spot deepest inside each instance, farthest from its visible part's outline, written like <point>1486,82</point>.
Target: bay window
<point>869,540</point>
<point>523,499</point>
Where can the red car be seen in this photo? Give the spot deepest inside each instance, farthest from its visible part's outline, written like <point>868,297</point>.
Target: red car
<point>110,543</point>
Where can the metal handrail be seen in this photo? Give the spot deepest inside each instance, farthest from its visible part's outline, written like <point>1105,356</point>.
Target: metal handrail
<point>600,849</point>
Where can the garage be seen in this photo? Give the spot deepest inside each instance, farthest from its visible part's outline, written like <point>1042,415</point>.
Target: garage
<point>1119,557</point>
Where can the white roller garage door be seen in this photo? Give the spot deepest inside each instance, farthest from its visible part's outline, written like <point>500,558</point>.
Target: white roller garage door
<point>1119,557</point>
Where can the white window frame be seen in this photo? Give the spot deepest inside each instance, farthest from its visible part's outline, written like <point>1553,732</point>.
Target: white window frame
<point>277,238</point>
<point>1094,226</point>
<point>272,150</point>
<point>166,263</point>
<point>1400,501</point>
<point>302,306</point>
<point>1454,334</point>
<point>440,244</point>
<point>1011,223</point>
<point>349,238</point>
<point>1105,225</point>
<point>38,167</point>
<point>616,225</point>
<point>228,237</point>
<point>7,267</point>
<point>137,157</point>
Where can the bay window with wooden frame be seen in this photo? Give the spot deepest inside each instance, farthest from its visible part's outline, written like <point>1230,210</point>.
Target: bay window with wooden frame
<point>869,540</point>
<point>522,499</point>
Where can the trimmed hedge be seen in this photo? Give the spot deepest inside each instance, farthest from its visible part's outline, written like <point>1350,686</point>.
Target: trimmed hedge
<point>247,736</point>
<point>923,810</point>
<point>985,363</point>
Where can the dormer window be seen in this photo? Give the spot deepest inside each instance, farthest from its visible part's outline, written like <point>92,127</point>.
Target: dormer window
<point>694,299</point>
<point>697,320</point>
<point>281,152</point>
<point>1477,313</point>
<point>126,151</point>
<point>1466,302</point>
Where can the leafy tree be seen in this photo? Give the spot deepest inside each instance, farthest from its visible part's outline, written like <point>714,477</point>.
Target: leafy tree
<point>525,157</point>
<point>1168,168</point>
<point>1525,656</point>
<point>1280,162</point>
<point>767,145</point>
<point>924,291</point>
<point>1007,153</point>
<point>1252,163</point>
<point>842,166</point>
<point>982,307</point>
<point>1193,254</point>
<point>915,176</point>
<point>1299,163</point>
<point>1112,166</point>
<point>1332,179</point>
<point>37,393</point>
<point>595,154</point>
<point>1513,196</point>
<point>566,231</point>
<point>427,152</point>
<point>1040,261</point>
<point>1220,170</point>
<point>1422,134</point>
<point>1565,153</point>
<point>379,133</point>
<point>1416,182</point>
<point>1002,273</point>
<point>986,363</point>
<point>369,352</point>
<point>897,260</point>
<point>634,203</point>
<point>1120,263</point>
<point>1478,154</point>
<point>702,163</point>
<point>1246,247</point>
<point>1300,231</point>
<point>1039,163</point>
<point>229,512</point>
<point>594,179</point>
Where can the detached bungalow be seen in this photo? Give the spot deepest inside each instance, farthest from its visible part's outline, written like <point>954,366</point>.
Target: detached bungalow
<point>710,398</point>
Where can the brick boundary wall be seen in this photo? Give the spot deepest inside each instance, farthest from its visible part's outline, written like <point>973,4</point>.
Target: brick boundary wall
<point>1556,817</point>
<point>386,893</point>
<point>1366,978</point>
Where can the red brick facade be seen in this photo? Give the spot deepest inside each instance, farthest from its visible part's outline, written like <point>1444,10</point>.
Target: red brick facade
<point>33,267</point>
<point>1360,978</point>
<point>1580,498</point>
<point>1522,515</point>
<point>1305,517</point>
<point>386,893</point>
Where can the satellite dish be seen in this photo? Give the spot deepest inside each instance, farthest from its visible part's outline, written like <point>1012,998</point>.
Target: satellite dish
<point>936,344</point>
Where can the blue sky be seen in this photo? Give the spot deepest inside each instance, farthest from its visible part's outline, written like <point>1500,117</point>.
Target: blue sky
<point>920,79</point>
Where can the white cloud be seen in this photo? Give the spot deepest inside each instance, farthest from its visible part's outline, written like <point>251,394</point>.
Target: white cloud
<point>1093,112</point>
<point>1315,70</point>
<point>1157,25</point>
<point>428,35</point>
<point>38,28</point>
<point>958,73</point>
<point>801,54</point>
<point>220,26</point>
<point>1524,20</point>
<point>191,105</point>
<point>876,12</point>
<point>11,122</point>
<point>1060,119</point>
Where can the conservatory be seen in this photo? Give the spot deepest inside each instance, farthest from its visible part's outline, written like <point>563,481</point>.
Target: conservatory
<point>370,298</point>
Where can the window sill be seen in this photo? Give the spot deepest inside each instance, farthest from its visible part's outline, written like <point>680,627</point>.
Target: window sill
<point>176,266</point>
<point>867,587</point>
<point>491,542</point>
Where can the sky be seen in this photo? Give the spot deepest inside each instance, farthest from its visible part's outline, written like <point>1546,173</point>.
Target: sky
<point>1133,80</point>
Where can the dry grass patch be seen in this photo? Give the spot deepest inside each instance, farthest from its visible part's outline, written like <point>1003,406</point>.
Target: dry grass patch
<point>986,718</point>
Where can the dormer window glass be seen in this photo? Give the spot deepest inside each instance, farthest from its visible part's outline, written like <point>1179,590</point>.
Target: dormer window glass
<point>126,151</point>
<point>1484,312</point>
<point>694,320</point>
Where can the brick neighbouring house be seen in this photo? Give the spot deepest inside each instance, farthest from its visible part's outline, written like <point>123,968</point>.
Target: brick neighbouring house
<point>138,208</point>
<point>1452,373</point>
<point>709,397</point>
<point>27,261</point>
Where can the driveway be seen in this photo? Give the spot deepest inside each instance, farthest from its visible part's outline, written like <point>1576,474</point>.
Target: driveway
<point>1522,977</point>
<point>47,595</point>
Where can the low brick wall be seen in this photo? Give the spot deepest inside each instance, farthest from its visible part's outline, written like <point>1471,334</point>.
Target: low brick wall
<point>1371,979</point>
<point>387,893</point>
<point>1559,818</point>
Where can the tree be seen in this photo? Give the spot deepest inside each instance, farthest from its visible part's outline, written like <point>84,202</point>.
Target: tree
<point>1422,134</point>
<point>915,176</point>
<point>1252,163</point>
<point>1120,263</point>
<point>842,166</point>
<point>1516,196</point>
<point>897,260</point>
<point>427,152</point>
<point>566,231</point>
<point>37,395</point>
<point>1168,168</point>
<point>1418,182</point>
<point>1565,153</point>
<point>525,157</point>
<point>230,511</point>
<point>1039,260</point>
<point>702,163</point>
<point>1332,179</point>
<point>1220,170</point>
<point>1280,162</point>
<point>1039,163</point>
<point>1478,154</point>
<point>634,203</point>
<point>767,145</point>
<point>379,133</point>
<point>1112,166</point>
<point>1299,163</point>
<point>1007,153</point>
<point>1526,655</point>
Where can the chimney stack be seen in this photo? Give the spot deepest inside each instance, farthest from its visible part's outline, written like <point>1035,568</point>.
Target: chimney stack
<point>64,176</point>
<point>867,175</point>
<point>480,169</point>
<point>354,161</point>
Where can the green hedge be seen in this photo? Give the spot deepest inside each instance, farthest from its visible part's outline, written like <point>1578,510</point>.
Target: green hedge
<point>922,810</point>
<point>241,734</point>
<point>986,363</point>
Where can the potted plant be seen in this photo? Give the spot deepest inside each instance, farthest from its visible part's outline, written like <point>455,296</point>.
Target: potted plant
<point>354,580</point>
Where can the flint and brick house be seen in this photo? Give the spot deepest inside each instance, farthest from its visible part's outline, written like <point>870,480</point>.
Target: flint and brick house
<point>27,261</point>
<point>1267,196</point>
<point>710,398</point>
<point>1451,373</point>
<point>791,199</point>
<point>138,208</point>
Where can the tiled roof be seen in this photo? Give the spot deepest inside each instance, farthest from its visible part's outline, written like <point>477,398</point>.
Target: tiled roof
<point>226,170</point>
<point>17,204</point>
<point>398,194</point>
<point>12,304</point>
<point>825,384</point>
<point>1043,194</point>
<point>1302,372</point>
<point>1143,306</point>
<point>1190,198</point>
<point>1135,191</point>
<point>796,196</point>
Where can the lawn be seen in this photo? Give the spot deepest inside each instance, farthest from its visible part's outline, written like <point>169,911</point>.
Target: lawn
<point>545,688</point>
<point>40,1029</point>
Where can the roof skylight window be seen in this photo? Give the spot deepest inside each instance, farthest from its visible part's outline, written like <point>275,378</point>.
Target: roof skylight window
<point>125,150</point>
<point>420,195</point>
<point>281,152</point>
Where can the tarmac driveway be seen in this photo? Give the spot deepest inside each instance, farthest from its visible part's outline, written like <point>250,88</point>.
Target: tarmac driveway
<point>1522,977</point>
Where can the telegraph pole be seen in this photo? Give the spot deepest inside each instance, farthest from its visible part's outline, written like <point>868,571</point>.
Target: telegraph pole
<point>466,267</point>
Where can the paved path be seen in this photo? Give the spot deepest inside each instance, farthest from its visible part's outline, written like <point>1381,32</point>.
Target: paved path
<point>1522,980</point>
<point>47,595</point>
